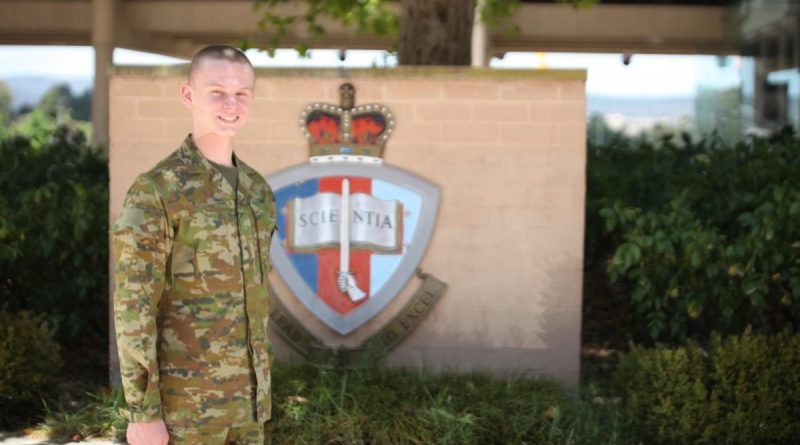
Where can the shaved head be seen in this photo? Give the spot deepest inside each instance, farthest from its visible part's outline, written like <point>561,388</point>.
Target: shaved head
<point>218,52</point>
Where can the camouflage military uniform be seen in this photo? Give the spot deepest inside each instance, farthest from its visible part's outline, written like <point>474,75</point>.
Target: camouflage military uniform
<point>190,306</point>
<point>249,434</point>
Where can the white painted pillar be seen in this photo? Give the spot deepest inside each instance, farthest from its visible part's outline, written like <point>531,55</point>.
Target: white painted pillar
<point>480,37</point>
<point>759,92</point>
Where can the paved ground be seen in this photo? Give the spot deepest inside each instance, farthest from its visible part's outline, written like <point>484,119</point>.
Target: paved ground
<point>12,439</point>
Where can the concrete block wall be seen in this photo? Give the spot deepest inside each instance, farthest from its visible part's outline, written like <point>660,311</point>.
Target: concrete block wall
<point>508,151</point>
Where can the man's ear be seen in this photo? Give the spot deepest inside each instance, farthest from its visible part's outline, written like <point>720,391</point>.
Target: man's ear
<point>186,95</point>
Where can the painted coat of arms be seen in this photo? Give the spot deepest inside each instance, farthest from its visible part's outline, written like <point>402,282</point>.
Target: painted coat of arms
<point>351,228</point>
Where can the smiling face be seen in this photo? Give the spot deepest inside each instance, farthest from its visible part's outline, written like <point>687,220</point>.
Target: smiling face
<point>219,95</point>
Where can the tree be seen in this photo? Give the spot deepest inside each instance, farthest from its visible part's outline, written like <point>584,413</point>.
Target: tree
<point>428,32</point>
<point>59,99</point>
<point>6,99</point>
<point>56,100</point>
<point>447,27</point>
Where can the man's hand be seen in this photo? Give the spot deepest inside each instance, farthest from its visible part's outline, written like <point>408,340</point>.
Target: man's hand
<point>148,433</point>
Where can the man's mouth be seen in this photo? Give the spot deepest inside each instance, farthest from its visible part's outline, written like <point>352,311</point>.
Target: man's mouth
<point>229,120</point>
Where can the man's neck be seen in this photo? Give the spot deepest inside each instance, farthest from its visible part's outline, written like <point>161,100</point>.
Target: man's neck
<point>214,148</point>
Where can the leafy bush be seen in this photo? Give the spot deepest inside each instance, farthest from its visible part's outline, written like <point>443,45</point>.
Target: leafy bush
<point>29,357</point>
<point>742,390</point>
<point>704,236</point>
<point>633,173</point>
<point>54,230</point>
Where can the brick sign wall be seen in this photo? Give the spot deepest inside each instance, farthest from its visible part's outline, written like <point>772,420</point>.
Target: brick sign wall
<point>507,150</point>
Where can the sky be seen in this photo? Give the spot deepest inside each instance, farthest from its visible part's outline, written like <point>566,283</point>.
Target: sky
<point>646,75</point>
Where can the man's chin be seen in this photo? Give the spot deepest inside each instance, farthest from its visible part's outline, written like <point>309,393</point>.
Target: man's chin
<point>227,131</point>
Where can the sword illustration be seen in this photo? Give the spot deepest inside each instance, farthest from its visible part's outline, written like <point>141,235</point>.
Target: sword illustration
<point>346,280</point>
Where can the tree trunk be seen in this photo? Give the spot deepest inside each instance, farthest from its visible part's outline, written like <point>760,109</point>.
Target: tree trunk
<point>436,32</point>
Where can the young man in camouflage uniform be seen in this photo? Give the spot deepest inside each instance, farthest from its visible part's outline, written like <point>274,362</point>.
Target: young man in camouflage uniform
<point>191,259</point>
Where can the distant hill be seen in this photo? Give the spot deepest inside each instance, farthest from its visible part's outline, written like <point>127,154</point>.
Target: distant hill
<point>29,90</point>
<point>668,108</point>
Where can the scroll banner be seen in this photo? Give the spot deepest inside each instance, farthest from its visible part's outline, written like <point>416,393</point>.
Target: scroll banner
<point>375,224</point>
<point>419,305</point>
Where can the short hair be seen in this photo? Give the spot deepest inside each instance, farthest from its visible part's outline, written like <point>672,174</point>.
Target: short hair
<point>218,52</point>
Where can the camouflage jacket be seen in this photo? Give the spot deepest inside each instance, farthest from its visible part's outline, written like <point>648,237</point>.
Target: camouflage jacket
<point>190,301</point>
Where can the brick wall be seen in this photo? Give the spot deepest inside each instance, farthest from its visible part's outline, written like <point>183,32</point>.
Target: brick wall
<point>508,151</point>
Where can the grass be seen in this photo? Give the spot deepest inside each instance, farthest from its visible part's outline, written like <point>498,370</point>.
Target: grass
<point>376,406</point>
<point>91,414</point>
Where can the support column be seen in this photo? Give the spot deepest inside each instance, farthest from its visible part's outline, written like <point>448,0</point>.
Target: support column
<point>480,37</point>
<point>103,43</point>
<point>782,95</point>
<point>796,45</point>
<point>760,84</point>
<point>103,15</point>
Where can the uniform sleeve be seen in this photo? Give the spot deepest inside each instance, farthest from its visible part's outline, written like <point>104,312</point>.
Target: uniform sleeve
<point>140,248</point>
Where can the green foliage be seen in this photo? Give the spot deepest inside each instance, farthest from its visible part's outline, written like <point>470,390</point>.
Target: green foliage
<point>37,126</point>
<point>375,17</point>
<point>704,236</point>
<point>54,228</point>
<point>364,16</point>
<point>494,10</point>
<point>637,173</point>
<point>29,357</point>
<point>367,405</point>
<point>59,102</point>
<point>741,390</point>
<point>6,99</point>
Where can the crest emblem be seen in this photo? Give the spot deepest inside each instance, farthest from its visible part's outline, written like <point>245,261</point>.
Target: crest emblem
<point>351,228</point>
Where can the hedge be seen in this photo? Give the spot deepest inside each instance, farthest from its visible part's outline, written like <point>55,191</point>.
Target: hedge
<point>738,390</point>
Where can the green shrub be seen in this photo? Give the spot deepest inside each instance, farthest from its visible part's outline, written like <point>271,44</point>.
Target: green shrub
<point>29,358</point>
<point>741,390</point>
<point>637,173</point>
<point>704,236</point>
<point>54,230</point>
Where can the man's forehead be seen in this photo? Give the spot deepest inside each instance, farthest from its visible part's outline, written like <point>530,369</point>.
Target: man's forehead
<point>211,71</point>
<point>217,82</point>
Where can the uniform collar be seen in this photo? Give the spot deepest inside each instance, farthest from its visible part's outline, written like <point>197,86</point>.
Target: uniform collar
<point>196,158</point>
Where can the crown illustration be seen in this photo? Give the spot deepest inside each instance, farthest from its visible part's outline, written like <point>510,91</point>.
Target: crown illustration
<point>346,129</point>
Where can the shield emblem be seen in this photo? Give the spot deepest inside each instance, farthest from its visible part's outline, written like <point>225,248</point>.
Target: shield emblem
<point>351,229</point>
<point>350,234</point>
